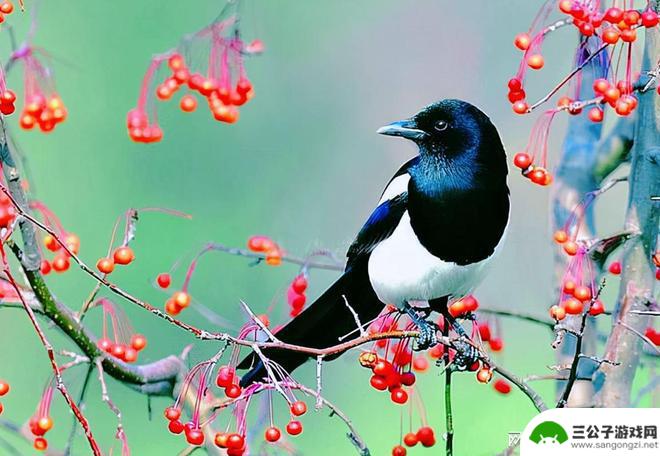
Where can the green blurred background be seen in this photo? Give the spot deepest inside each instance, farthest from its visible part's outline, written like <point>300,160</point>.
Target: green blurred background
<point>302,165</point>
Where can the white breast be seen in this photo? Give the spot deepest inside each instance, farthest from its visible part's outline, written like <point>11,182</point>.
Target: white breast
<point>402,270</point>
<point>397,186</point>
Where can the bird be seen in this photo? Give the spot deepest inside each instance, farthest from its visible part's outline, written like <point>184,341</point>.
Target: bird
<point>439,223</point>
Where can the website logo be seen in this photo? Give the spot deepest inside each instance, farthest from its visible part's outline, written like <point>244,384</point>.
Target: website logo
<point>592,432</point>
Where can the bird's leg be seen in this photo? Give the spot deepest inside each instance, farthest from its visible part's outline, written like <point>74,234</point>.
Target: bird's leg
<point>466,353</point>
<point>427,330</point>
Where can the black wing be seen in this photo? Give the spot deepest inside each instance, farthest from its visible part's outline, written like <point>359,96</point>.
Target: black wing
<point>381,224</point>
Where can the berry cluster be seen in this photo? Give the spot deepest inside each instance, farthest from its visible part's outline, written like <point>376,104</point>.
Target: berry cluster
<point>496,344</point>
<point>268,247</point>
<point>61,261</point>
<point>122,255</point>
<point>533,161</point>
<point>296,294</point>
<point>389,376</point>
<point>228,380</point>
<point>577,288</point>
<point>41,422</point>
<point>4,389</point>
<point>221,79</point>
<point>608,29</point>
<point>125,344</point>
<point>43,106</point>
<point>463,306</point>
<point>177,302</point>
<point>612,25</point>
<point>424,436</point>
<point>193,428</point>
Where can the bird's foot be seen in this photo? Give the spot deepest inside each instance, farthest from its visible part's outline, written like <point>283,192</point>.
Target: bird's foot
<point>427,330</point>
<point>427,335</point>
<point>466,355</point>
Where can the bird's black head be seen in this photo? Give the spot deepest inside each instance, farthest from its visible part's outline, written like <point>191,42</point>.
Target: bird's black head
<point>453,130</point>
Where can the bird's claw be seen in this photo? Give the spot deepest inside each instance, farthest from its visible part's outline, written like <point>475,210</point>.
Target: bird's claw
<point>427,336</point>
<point>466,355</point>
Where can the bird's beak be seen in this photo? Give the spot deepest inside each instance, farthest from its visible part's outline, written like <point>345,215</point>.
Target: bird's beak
<point>405,128</point>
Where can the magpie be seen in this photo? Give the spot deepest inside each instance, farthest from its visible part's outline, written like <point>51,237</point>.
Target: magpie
<point>439,222</point>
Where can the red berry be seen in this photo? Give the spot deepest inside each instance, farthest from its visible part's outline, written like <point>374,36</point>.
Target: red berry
<point>520,107</point>
<point>484,331</point>
<point>123,255</point>
<point>407,379</point>
<point>565,6</point>
<point>535,61</point>
<point>649,18</point>
<point>225,377</point>
<point>138,342</point>
<point>235,441</point>
<point>172,413</point>
<point>60,263</point>
<point>517,95</point>
<point>233,391</point>
<point>382,368</point>
<point>571,248</point>
<point>130,355</point>
<point>496,344</point>
<point>613,15</point>
<point>615,268</point>
<point>45,267</point>
<point>502,386</point>
<point>515,85</point>
<point>573,306</point>
<point>471,303</point>
<point>117,350</point>
<point>611,35</point>
<point>522,41</point>
<point>426,436</point>
<point>4,388</point>
<point>582,293</point>
<point>522,160</point>
<point>104,344</point>
<point>164,280</point>
<point>298,408</point>
<point>6,7</point>
<point>221,439</point>
<point>194,436</point>
<point>175,427</point>
<point>557,312</point>
<point>105,265</point>
<point>399,451</point>
<point>596,115</point>
<point>631,17</point>
<point>420,364</point>
<point>628,35</point>
<point>272,434</point>
<point>188,103</point>
<point>399,396</point>
<point>299,284</point>
<point>410,439</point>
<point>484,375</point>
<point>378,382</point>
<point>40,444</point>
<point>597,308</point>
<point>294,427</point>
<point>457,308</point>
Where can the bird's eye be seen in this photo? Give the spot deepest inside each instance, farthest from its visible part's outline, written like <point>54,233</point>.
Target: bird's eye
<point>441,125</point>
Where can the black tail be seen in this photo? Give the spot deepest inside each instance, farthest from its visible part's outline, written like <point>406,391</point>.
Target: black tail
<point>322,323</point>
